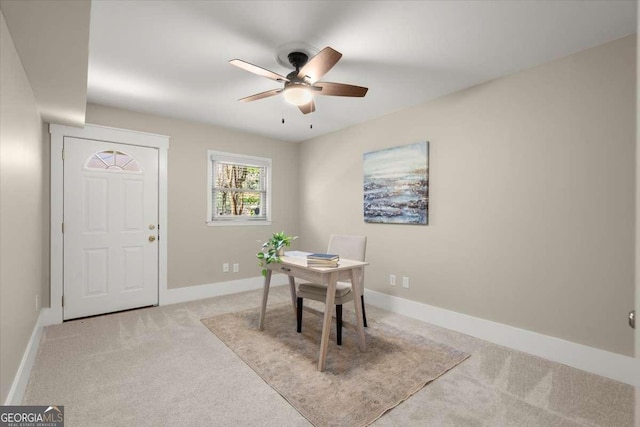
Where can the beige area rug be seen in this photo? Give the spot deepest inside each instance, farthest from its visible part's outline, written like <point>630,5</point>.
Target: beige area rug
<point>356,388</point>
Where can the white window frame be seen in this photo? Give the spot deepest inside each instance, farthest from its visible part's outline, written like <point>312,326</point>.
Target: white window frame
<point>240,159</point>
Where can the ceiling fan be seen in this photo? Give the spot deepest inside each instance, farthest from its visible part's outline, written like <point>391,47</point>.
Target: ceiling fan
<point>302,84</point>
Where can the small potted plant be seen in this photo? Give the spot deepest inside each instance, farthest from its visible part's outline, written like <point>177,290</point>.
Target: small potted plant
<point>273,249</point>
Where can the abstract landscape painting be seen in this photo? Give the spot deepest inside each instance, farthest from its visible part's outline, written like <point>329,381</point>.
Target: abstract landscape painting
<point>396,185</point>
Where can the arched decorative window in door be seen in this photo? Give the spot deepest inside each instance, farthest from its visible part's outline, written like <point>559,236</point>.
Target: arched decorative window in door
<point>113,160</point>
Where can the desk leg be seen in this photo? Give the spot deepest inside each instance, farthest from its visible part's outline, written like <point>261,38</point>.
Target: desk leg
<point>356,286</point>
<point>328,315</point>
<point>265,296</point>
<point>292,288</point>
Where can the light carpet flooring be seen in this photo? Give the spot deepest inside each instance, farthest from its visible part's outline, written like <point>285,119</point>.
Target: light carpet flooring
<point>161,366</point>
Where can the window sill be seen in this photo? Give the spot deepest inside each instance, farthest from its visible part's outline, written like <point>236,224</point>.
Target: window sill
<point>232,223</point>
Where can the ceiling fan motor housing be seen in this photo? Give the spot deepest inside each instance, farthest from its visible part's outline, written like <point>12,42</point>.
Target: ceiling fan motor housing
<point>298,59</point>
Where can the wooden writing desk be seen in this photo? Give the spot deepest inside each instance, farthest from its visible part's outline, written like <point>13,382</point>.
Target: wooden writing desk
<point>348,270</point>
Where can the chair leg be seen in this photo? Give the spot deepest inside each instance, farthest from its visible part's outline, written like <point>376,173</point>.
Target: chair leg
<point>299,314</point>
<point>339,323</point>
<point>364,315</point>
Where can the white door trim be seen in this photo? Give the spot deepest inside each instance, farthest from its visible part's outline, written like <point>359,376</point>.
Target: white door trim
<point>108,134</point>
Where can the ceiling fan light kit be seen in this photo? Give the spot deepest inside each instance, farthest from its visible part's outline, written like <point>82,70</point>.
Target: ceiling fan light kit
<point>301,84</point>
<point>297,94</point>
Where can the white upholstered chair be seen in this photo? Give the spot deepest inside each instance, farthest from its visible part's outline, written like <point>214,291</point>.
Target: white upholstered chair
<point>347,247</point>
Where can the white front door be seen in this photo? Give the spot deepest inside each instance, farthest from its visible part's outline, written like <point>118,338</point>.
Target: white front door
<point>110,227</point>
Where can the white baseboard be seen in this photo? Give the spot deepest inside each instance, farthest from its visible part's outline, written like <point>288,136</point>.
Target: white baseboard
<point>20,380</point>
<point>192,293</point>
<point>50,316</point>
<point>600,362</point>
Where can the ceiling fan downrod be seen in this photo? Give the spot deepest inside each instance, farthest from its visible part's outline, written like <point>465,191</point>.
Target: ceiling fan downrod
<point>297,60</point>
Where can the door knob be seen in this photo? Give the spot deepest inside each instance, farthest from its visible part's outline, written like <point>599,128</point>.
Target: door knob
<point>152,238</point>
<point>632,319</point>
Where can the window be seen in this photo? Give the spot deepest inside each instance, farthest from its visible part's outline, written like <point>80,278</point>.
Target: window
<point>239,189</point>
<point>113,160</point>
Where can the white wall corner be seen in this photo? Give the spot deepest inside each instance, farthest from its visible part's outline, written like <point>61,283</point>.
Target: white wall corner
<point>600,362</point>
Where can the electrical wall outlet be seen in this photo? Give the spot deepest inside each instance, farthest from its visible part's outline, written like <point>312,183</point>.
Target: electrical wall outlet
<point>405,282</point>
<point>236,267</point>
<point>392,279</point>
<point>225,267</point>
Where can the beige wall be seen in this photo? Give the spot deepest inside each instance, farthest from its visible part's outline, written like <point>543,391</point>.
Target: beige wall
<point>531,199</point>
<point>22,220</point>
<point>196,251</point>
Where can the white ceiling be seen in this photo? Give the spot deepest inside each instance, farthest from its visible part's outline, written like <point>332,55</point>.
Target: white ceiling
<point>171,58</point>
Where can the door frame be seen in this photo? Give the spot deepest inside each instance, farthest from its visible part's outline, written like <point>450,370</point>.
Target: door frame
<point>106,134</point>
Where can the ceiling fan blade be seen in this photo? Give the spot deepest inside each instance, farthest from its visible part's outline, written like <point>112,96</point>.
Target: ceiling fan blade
<point>258,70</point>
<point>307,108</point>
<point>320,64</point>
<point>261,95</point>
<point>339,89</point>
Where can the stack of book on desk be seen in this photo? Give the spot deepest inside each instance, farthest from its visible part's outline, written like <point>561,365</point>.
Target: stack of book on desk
<point>322,260</point>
